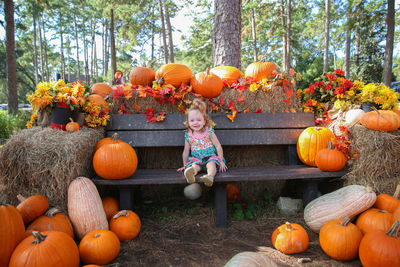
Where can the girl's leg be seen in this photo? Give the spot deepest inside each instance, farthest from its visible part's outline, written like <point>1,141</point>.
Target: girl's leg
<point>211,171</point>
<point>191,172</point>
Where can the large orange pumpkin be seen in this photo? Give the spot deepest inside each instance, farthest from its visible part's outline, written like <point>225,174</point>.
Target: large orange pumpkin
<point>116,160</point>
<point>98,99</point>
<point>260,70</point>
<point>142,76</point>
<point>340,239</point>
<point>378,248</point>
<point>381,120</point>
<point>48,248</point>
<point>373,220</point>
<point>227,73</point>
<point>100,89</point>
<point>111,206</point>
<point>174,74</point>
<point>311,141</point>
<point>330,159</point>
<point>387,202</point>
<point>12,231</point>
<point>126,225</point>
<point>107,140</point>
<point>99,247</point>
<point>290,238</point>
<point>32,207</point>
<point>52,220</point>
<point>207,84</point>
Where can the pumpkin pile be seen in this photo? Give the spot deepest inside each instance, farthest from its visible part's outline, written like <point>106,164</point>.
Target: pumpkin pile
<point>33,235</point>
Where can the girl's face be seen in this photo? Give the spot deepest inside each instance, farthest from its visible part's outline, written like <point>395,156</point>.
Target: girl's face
<point>196,120</point>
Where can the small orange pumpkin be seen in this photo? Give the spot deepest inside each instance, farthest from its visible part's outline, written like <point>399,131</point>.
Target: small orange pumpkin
<point>378,248</point>
<point>52,220</point>
<point>381,120</point>
<point>72,126</point>
<point>116,160</point>
<point>98,99</point>
<point>126,225</point>
<point>232,192</point>
<point>99,247</point>
<point>32,207</point>
<point>142,76</point>
<point>374,219</point>
<point>107,140</point>
<point>311,141</point>
<point>100,89</point>
<point>387,202</point>
<point>207,84</point>
<point>260,70</point>
<point>111,206</point>
<point>227,73</point>
<point>290,238</point>
<point>330,159</point>
<point>340,239</point>
<point>174,74</point>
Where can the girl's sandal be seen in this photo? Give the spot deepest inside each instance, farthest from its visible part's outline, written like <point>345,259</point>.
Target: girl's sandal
<point>190,175</point>
<point>208,180</point>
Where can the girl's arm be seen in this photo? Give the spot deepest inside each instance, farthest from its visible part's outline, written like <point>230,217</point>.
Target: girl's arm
<point>220,152</point>
<point>185,155</point>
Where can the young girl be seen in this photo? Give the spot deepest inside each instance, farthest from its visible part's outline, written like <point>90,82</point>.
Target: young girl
<point>202,149</point>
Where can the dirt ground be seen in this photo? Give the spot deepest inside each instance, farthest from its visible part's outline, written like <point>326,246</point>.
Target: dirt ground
<point>183,233</point>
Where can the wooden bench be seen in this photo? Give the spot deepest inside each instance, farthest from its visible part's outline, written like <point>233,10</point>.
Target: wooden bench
<point>247,130</point>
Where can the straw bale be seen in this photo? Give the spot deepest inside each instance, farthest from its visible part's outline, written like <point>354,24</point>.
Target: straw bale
<point>378,161</point>
<point>44,161</point>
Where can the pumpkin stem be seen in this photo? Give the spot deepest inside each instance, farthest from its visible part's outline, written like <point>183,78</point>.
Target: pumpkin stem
<point>52,212</point>
<point>21,198</point>
<point>38,237</point>
<point>208,71</point>
<point>160,80</point>
<point>330,145</point>
<point>289,227</point>
<point>397,192</point>
<point>394,230</point>
<point>382,211</point>
<point>114,137</point>
<point>369,189</point>
<point>121,213</point>
<point>345,222</point>
<point>97,235</point>
<point>316,128</point>
<point>71,119</point>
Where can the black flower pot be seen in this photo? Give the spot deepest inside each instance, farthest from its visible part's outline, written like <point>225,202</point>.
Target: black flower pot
<point>60,115</point>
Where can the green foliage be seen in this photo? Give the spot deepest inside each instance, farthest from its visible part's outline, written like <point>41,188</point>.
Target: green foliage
<point>11,123</point>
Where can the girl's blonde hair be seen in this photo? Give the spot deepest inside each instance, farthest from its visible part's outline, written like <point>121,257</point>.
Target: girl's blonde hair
<point>202,107</point>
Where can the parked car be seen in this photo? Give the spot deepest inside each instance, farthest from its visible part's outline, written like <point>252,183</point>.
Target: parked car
<point>395,86</point>
<point>20,107</point>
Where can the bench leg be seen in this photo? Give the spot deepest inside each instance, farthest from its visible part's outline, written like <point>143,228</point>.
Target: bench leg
<point>310,192</point>
<point>125,199</point>
<point>220,205</point>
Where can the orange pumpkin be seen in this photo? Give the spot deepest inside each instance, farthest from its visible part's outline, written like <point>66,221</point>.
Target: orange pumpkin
<point>260,70</point>
<point>311,141</point>
<point>52,220</point>
<point>99,247</point>
<point>48,248</point>
<point>174,74</point>
<point>126,225</point>
<point>227,73</point>
<point>330,159</point>
<point>72,126</point>
<point>340,239</point>
<point>387,202</point>
<point>32,207</point>
<point>111,206</point>
<point>207,84</point>
<point>381,249</point>
<point>116,160</point>
<point>12,230</point>
<point>100,89</point>
<point>374,219</point>
<point>381,120</point>
<point>290,238</point>
<point>232,192</point>
<point>107,140</point>
<point>142,76</point>
<point>98,99</point>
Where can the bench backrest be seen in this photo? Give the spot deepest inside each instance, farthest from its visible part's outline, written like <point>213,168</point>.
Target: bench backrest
<point>247,129</point>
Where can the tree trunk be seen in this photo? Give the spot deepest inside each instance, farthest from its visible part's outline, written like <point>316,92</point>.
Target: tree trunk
<point>105,47</point>
<point>45,53</point>
<point>327,22</point>
<point>358,41</point>
<point>163,33</point>
<point>11,58</point>
<point>288,33</point>
<point>227,33</point>
<point>348,40</point>
<point>334,56</point>
<point>170,41</point>
<point>77,47</point>
<point>113,51</point>
<point>86,56</point>
<point>284,36</point>
<point>35,60</point>
<point>254,34</point>
<point>62,50</point>
<point>390,21</point>
<point>41,50</point>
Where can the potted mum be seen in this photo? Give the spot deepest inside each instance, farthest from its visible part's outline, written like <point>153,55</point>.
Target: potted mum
<point>378,96</point>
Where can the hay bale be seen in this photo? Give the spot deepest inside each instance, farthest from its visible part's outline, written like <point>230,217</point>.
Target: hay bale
<point>378,161</point>
<point>44,161</point>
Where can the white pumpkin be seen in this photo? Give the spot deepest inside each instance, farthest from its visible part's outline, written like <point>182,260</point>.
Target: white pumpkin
<point>353,116</point>
<point>345,202</point>
<point>192,191</point>
<point>250,259</point>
